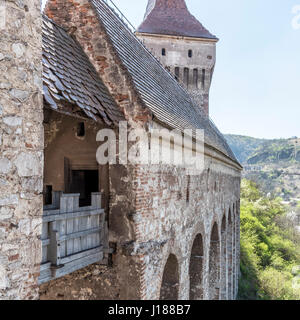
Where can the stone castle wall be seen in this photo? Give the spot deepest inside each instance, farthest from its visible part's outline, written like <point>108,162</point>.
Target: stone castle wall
<point>21,148</point>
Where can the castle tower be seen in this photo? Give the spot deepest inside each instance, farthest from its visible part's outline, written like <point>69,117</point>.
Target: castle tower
<point>182,45</point>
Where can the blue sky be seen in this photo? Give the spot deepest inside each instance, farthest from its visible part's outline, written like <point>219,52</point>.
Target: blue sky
<point>256,85</point>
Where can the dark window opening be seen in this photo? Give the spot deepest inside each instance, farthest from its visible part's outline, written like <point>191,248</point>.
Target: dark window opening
<point>188,188</point>
<point>48,195</point>
<point>190,53</point>
<point>80,129</point>
<point>186,76</point>
<point>203,78</point>
<point>84,182</point>
<point>163,52</point>
<point>177,73</point>
<point>195,78</point>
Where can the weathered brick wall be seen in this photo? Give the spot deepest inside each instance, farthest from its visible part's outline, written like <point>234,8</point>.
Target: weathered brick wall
<point>166,223</point>
<point>21,148</point>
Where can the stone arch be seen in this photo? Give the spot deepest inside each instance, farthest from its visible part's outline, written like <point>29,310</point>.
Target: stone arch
<point>196,269</point>
<point>214,264</point>
<point>170,282</point>
<point>229,256</point>
<point>223,279</point>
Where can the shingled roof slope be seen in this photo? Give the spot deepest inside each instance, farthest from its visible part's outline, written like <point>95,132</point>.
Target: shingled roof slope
<point>69,77</point>
<point>172,17</point>
<point>161,93</point>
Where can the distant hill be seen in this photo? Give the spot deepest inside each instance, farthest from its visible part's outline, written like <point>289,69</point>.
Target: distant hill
<point>243,146</point>
<point>254,151</point>
<point>272,164</point>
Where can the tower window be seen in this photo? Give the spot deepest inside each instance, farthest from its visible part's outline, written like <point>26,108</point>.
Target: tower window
<point>186,76</point>
<point>80,129</point>
<point>177,73</point>
<point>163,52</point>
<point>190,53</point>
<point>195,78</point>
<point>203,78</point>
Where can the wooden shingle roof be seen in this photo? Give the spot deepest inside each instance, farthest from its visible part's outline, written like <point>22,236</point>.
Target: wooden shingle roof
<point>69,77</point>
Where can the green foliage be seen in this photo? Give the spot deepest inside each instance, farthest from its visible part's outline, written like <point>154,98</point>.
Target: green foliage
<point>268,250</point>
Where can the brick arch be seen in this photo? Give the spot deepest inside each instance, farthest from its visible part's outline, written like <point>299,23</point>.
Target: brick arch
<point>214,263</point>
<point>196,268</point>
<point>169,289</point>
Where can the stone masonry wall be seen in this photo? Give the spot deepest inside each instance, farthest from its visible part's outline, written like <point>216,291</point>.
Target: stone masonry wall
<point>168,223</point>
<point>21,148</point>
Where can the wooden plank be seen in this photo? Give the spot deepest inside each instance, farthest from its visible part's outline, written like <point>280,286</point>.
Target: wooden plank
<point>79,264</point>
<point>45,242</point>
<point>84,227</point>
<point>45,266</point>
<point>77,247</point>
<point>81,255</point>
<point>79,234</point>
<point>54,252</point>
<point>64,216</point>
<point>68,237</point>
<point>63,230</point>
<point>88,237</point>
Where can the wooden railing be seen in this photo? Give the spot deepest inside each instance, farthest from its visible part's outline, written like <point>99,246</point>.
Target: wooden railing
<point>73,237</point>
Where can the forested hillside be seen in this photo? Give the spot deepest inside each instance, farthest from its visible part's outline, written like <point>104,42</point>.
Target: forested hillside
<point>270,248</point>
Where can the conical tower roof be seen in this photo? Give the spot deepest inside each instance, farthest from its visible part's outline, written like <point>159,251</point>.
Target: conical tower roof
<point>172,17</point>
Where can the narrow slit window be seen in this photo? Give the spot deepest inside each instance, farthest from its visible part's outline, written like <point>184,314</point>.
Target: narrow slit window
<point>195,78</point>
<point>186,76</point>
<point>177,73</point>
<point>190,54</point>
<point>163,52</point>
<point>203,78</point>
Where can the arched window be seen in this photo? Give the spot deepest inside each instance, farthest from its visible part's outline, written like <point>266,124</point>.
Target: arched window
<point>190,53</point>
<point>196,269</point>
<point>170,282</point>
<point>163,52</point>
